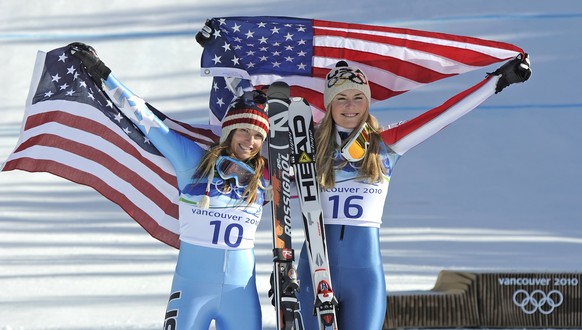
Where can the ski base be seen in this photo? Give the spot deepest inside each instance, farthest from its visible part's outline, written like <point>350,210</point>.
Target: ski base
<point>303,160</point>
<point>284,279</point>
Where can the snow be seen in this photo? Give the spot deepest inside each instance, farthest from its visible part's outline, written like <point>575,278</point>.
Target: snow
<point>499,190</point>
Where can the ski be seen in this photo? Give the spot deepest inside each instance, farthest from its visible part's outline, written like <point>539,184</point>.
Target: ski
<point>303,160</point>
<point>284,281</point>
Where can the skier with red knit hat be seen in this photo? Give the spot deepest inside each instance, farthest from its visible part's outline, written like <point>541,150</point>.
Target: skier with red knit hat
<point>222,192</point>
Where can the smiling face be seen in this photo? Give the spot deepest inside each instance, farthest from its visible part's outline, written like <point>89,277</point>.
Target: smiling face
<point>349,108</point>
<point>246,143</point>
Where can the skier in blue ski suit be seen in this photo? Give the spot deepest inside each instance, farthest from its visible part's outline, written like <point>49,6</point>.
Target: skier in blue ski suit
<point>221,198</point>
<point>355,159</point>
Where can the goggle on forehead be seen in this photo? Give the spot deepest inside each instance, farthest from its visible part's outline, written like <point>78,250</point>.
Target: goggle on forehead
<point>355,148</point>
<point>232,168</point>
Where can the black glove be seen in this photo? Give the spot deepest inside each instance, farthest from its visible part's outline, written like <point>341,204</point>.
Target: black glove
<point>204,35</point>
<point>516,70</point>
<point>88,56</point>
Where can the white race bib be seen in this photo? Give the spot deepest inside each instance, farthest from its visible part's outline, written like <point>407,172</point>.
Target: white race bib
<point>354,203</point>
<point>222,228</point>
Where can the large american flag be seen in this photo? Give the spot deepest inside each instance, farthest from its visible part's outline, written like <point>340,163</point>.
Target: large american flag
<point>72,130</point>
<point>301,52</point>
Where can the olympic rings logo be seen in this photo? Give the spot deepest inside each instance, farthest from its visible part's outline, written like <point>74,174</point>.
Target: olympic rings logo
<point>343,75</point>
<point>538,300</point>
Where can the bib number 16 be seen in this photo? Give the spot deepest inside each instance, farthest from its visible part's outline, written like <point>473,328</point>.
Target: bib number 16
<point>349,207</point>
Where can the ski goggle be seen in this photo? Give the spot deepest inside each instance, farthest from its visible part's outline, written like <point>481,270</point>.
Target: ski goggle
<point>231,168</point>
<point>355,148</point>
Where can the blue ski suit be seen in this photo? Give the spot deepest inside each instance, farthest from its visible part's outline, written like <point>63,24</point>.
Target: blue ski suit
<point>352,220</point>
<point>214,277</point>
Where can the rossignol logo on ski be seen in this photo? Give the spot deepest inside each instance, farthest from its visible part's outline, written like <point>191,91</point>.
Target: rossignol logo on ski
<point>278,125</point>
<point>287,254</point>
<point>284,278</point>
<point>285,182</point>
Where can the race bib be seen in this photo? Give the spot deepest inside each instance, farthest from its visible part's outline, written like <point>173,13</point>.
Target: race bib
<point>221,228</point>
<point>354,203</point>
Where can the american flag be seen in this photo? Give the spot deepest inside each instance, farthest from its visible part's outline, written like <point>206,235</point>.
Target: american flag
<point>221,95</point>
<point>302,51</point>
<point>72,130</point>
<point>220,98</point>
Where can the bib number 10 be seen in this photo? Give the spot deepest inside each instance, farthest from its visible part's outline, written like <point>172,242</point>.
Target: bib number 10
<point>349,207</point>
<point>227,234</point>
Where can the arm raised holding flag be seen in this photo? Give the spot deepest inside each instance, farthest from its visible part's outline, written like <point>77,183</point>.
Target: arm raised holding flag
<point>356,155</point>
<point>220,205</point>
<point>187,186</point>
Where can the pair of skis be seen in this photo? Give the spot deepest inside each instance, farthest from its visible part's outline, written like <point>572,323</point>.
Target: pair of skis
<point>291,143</point>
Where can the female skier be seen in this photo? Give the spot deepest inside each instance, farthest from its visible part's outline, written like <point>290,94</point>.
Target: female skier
<point>355,159</point>
<point>221,198</point>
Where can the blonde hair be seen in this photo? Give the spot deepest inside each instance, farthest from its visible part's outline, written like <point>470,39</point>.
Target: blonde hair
<point>256,161</point>
<point>371,168</point>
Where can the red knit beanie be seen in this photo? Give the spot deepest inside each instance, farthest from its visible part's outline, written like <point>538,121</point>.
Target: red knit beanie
<point>246,111</point>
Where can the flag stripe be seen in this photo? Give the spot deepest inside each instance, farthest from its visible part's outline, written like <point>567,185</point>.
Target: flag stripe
<point>72,160</point>
<point>49,111</point>
<point>96,128</point>
<point>149,190</point>
<point>72,167</point>
<point>484,46</point>
<point>33,164</point>
<point>72,130</point>
<point>442,58</point>
<point>390,66</point>
<point>94,164</point>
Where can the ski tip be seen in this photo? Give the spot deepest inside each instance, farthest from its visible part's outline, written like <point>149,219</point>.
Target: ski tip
<point>278,90</point>
<point>299,106</point>
<point>297,99</point>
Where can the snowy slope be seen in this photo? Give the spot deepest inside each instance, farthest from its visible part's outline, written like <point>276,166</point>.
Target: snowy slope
<point>499,190</point>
